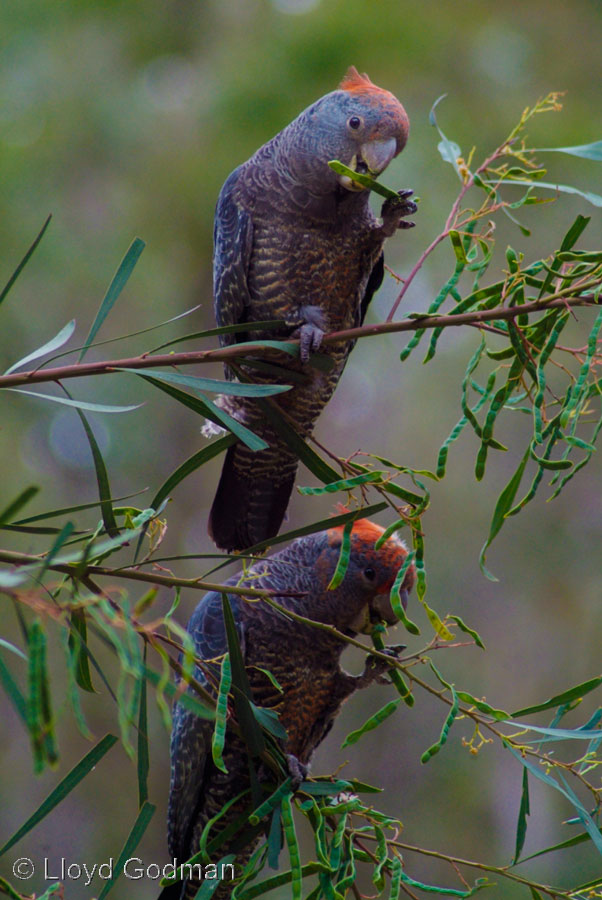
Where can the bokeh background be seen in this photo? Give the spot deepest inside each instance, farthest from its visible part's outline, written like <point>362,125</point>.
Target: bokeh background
<point>123,119</point>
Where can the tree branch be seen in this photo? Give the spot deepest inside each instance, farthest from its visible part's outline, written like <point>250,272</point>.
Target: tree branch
<point>221,354</point>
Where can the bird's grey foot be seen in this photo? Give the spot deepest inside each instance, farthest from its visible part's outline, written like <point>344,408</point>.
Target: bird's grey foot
<point>376,668</point>
<point>311,330</point>
<point>393,212</point>
<point>297,770</point>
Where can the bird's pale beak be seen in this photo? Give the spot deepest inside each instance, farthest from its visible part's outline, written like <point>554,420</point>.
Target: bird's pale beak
<point>377,155</point>
<point>372,159</point>
<point>381,608</point>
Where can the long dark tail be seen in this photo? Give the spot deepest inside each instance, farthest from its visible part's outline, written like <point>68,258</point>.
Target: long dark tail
<point>252,497</point>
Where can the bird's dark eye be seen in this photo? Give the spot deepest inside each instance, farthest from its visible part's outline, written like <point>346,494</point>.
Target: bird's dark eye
<point>369,573</point>
<point>354,122</point>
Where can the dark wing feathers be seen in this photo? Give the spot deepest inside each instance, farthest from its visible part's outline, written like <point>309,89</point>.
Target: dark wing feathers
<point>191,736</point>
<point>232,244</point>
<point>374,282</point>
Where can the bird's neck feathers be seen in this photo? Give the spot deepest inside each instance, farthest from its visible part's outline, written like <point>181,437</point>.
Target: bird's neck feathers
<point>291,174</point>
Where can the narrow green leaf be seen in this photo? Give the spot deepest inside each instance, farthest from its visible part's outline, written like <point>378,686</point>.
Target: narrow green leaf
<point>464,627</point>
<point>270,325</point>
<point>24,261</point>
<point>143,761</point>
<point>135,836</point>
<point>8,889</point>
<point>288,824</point>
<point>436,747</point>
<point>10,511</point>
<point>272,802</point>
<point>78,404</point>
<point>482,706</point>
<point>321,525</point>
<point>187,700</point>
<point>191,465</point>
<point>570,842</point>
<point>208,409</point>
<point>443,891</point>
<point>312,460</point>
<point>435,619</point>
<point>343,560</point>
<point>395,597</point>
<point>370,724</point>
<point>96,550</point>
<point>125,337</point>
<point>344,484</point>
<point>269,721</point>
<point>574,693</point>
<point>73,694</point>
<point>458,247</point>
<point>275,838</point>
<point>561,734</point>
<point>57,341</point>
<point>524,811</point>
<point>365,180</point>
<point>395,888</point>
<point>8,646</point>
<point>594,199</point>
<point>102,478</point>
<point>117,284</point>
<point>53,889</point>
<point>587,151</point>
<point>565,790</point>
<point>78,646</point>
<point>502,507</point>
<point>221,715</point>
<point>70,781</point>
<point>40,720</point>
<point>197,383</point>
<point>447,289</point>
<point>324,788</point>
<point>251,730</point>
<point>61,539</point>
<point>597,882</point>
<point>67,510</point>
<point>14,693</point>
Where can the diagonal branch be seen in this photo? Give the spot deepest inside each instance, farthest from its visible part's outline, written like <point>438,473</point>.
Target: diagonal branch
<point>197,357</point>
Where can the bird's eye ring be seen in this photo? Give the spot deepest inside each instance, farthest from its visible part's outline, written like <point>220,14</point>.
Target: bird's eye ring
<point>369,573</point>
<point>354,122</point>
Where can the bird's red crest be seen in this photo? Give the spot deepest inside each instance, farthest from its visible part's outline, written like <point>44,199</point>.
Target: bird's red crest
<point>354,82</point>
<point>364,536</point>
<point>360,86</point>
<point>363,530</point>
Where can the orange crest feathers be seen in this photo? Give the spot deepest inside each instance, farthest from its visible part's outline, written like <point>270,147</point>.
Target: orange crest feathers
<point>354,82</point>
<point>363,529</point>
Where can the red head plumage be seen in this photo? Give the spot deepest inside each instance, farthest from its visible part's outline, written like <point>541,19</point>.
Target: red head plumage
<point>360,85</point>
<point>390,556</point>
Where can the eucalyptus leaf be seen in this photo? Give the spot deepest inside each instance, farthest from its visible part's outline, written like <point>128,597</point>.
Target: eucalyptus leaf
<point>586,151</point>
<point>78,404</point>
<point>53,344</point>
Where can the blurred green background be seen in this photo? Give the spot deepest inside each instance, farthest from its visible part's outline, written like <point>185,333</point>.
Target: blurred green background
<point>123,119</point>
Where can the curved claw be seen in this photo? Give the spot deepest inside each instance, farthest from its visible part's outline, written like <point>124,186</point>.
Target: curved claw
<point>376,667</point>
<point>395,210</point>
<point>310,332</point>
<point>310,338</point>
